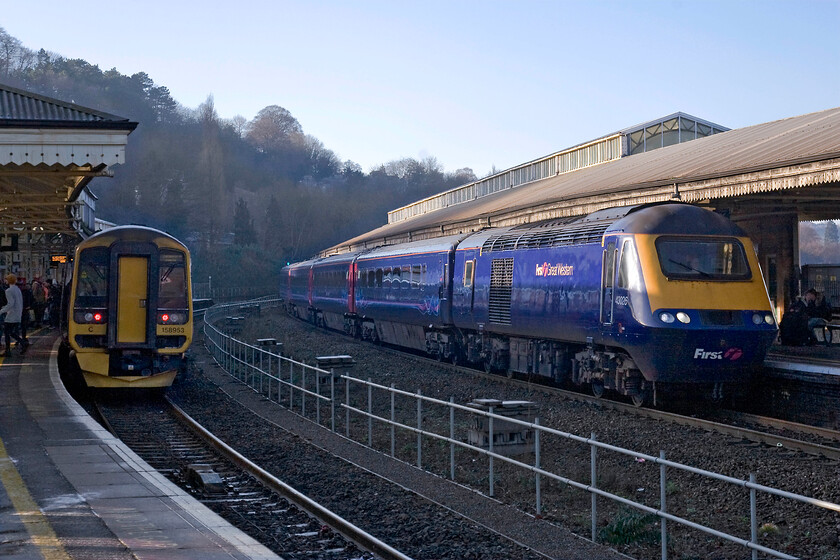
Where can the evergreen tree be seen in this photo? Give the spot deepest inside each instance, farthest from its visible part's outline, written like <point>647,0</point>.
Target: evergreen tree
<point>243,224</point>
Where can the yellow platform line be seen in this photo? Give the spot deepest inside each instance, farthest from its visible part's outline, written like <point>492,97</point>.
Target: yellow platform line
<point>33,519</point>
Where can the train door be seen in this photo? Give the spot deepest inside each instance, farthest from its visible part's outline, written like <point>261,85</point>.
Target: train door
<point>463,293</point>
<point>135,296</point>
<point>608,259</point>
<point>132,299</point>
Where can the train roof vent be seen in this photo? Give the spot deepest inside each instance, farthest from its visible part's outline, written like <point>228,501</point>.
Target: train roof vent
<point>564,235</point>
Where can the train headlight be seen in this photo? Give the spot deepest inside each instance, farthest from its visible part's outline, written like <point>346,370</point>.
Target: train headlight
<point>683,317</point>
<point>757,319</point>
<point>666,317</point>
<point>768,318</point>
<point>172,318</point>
<point>90,316</point>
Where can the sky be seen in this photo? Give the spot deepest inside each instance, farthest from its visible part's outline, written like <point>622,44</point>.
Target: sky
<point>480,84</point>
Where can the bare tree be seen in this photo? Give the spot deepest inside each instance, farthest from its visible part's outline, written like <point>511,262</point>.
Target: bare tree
<point>274,128</point>
<point>239,123</point>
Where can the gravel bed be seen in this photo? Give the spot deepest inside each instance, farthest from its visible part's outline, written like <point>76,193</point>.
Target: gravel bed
<point>400,518</point>
<point>797,529</point>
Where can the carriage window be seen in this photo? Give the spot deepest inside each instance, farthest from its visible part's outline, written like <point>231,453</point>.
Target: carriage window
<point>406,277</point>
<point>702,259</point>
<point>468,273</point>
<point>395,278</point>
<point>173,280</point>
<point>628,267</point>
<point>415,276</point>
<point>92,284</point>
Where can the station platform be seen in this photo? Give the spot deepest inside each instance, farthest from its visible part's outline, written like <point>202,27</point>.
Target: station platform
<point>811,362</point>
<point>70,490</point>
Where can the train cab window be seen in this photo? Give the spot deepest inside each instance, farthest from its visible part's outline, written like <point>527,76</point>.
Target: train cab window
<point>173,280</point>
<point>92,285</point>
<point>469,268</point>
<point>628,267</point>
<point>718,259</point>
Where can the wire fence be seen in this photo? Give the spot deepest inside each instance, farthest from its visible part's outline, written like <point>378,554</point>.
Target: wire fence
<point>409,431</point>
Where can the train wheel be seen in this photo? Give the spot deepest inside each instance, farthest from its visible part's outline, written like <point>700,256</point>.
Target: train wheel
<point>598,388</point>
<point>639,399</point>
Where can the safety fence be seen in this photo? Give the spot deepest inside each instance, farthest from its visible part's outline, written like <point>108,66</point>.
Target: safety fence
<point>411,431</point>
<point>206,290</point>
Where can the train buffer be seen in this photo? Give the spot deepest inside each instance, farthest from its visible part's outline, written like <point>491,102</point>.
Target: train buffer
<point>508,438</point>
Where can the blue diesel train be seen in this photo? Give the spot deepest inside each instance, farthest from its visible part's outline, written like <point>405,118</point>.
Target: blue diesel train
<point>637,300</point>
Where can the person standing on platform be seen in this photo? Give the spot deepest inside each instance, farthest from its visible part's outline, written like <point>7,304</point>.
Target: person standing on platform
<point>26,294</point>
<point>13,310</point>
<point>39,302</point>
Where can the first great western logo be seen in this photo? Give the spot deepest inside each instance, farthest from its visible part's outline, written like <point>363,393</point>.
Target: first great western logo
<point>548,269</point>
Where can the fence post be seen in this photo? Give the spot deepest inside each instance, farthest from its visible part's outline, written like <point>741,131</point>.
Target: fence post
<point>451,437</point>
<point>537,464</point>
<point>393,419</point>
<point>332,398</point>
<point>419,427</point>
<point>490,429</point>
<point>279,380</point>
<point>303,390</point>
<point>370,412</point>
<point>318,397</point>
<point>593,473</point>
<point>753,518</point>
<point>347,410</point>
<point>291,385</point>
<point>663,507</point>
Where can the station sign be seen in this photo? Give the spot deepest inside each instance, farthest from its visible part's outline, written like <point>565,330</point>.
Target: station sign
<point>56,260</point>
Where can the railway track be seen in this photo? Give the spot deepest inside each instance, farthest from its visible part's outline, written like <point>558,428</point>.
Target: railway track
<point>245,495</point>
<point>705,443</point>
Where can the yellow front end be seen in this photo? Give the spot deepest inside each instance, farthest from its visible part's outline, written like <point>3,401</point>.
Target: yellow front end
<point>665,293</point>
<point>130,320</point>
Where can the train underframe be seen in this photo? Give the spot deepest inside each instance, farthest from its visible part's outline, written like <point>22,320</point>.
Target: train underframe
<point>601,368</point>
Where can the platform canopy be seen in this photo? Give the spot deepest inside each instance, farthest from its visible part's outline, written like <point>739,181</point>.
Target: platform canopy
<point>791,166</point>
<point>49,152</point>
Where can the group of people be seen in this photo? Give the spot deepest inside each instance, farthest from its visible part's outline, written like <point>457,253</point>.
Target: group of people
<point>23,306</point>
<point>802,317</point>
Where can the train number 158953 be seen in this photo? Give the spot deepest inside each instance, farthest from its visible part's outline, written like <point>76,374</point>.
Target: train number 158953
<point>173,330</point>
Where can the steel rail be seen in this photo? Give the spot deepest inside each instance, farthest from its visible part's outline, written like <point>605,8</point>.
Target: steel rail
<point>358,536</point>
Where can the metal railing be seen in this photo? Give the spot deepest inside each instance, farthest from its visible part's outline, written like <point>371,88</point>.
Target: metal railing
<point>206,290</point>
<point>290,383</point>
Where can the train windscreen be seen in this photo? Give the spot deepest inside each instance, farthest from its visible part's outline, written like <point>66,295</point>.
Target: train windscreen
<point>92,281</point>
<point>718,259</point>
<point>173,280</point>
